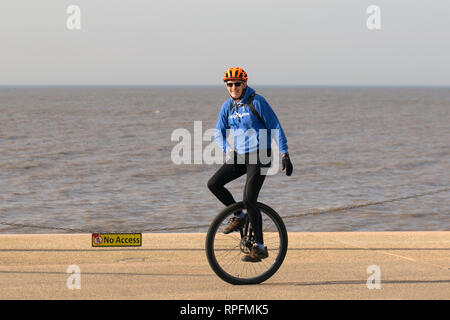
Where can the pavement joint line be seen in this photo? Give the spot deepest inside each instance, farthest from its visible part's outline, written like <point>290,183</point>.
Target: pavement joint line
<point>354,282</point>
<point>413,260</point>
<point>387,253</point>
<point>107,273</point>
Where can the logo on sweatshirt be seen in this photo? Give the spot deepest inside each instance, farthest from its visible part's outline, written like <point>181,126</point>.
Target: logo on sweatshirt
<point>239,115</point>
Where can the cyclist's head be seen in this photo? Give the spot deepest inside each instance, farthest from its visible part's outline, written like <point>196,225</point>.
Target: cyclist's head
<point>236,81</point>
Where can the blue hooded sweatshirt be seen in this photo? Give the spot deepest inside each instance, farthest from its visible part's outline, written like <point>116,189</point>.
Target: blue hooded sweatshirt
<point>246,127</point>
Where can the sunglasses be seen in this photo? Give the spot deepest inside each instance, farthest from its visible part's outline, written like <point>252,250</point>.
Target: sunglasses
<point>236,84</point>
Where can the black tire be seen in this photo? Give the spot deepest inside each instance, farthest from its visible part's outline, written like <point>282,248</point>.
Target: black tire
<point>231,247</point>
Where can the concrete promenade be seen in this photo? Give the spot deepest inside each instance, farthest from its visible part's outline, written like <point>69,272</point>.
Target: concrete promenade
<point>413,265</point>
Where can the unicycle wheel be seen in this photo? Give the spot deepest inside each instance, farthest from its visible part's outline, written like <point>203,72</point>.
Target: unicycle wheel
<point>225,251</point>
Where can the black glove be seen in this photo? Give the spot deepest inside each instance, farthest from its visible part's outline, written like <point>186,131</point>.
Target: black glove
<point>287,164</point>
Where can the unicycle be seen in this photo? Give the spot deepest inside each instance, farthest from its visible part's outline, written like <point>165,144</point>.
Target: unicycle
<point>224,251</point>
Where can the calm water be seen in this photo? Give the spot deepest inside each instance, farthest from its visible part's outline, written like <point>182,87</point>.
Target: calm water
<point>99,159</point>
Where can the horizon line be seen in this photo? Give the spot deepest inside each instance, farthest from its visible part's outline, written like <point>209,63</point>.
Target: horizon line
<point>220,85</point>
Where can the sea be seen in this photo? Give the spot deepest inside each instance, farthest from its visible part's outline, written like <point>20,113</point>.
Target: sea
<point>100,159</point>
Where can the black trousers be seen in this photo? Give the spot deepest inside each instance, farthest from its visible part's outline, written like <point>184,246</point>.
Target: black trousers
<point>231,171</point>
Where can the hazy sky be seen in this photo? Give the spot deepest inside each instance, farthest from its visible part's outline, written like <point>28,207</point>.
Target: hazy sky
<point>159,42</point>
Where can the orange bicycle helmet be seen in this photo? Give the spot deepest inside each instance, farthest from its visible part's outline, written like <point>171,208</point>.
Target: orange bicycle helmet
<point>235,74</point>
